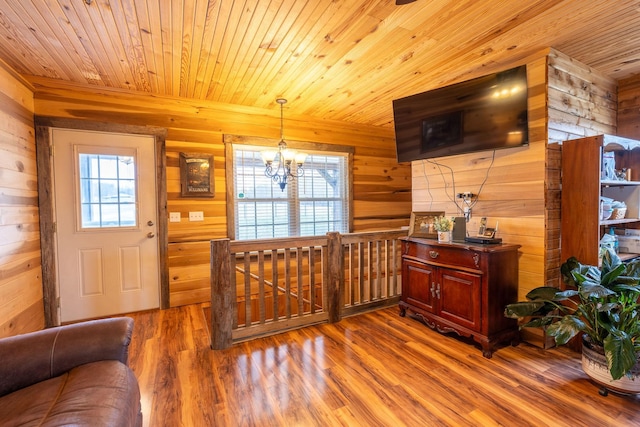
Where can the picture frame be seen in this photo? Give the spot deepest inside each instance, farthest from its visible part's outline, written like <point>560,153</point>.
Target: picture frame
<point>196,175</point>
<point>489,232</point>
<point>421,224</point>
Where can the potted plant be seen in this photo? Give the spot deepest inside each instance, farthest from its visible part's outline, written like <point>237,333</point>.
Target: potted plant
<point>601,305</point>
<point>443,226</point>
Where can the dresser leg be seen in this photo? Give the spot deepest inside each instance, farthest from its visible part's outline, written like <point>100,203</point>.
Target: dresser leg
<point>487,349</point>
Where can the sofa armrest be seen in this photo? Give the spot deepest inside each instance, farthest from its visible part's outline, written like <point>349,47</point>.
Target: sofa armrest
<point>37,356</point>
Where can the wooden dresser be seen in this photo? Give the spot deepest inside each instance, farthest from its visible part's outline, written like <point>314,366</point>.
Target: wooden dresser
<point>461,288</point>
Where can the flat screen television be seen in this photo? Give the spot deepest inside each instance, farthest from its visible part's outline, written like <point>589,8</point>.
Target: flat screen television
<point>485,113</point>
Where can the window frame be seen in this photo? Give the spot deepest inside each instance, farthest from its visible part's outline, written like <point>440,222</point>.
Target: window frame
<point>310,147</point>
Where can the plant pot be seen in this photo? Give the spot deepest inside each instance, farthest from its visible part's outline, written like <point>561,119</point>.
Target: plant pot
<point>594,364</point>
<point>444,236</point>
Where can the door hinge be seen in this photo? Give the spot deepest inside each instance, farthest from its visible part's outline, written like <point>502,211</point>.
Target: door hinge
<point>58,302</point>
<point>55,227</point>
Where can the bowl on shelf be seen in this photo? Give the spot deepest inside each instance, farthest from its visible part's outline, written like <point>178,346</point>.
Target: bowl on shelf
<point>618,213</point>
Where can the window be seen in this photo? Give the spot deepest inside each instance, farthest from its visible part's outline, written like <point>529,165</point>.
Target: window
<point>107,187</point>
<point>311,205</point>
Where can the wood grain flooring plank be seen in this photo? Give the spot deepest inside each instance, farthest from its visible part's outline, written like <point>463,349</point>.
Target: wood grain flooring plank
<point>373,369</point>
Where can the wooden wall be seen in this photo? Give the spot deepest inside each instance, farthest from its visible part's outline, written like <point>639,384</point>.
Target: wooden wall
<point>513,193</point>
<point>382,187</point>
<point>522,189</point>
<point>21,304</point>
<point>582,102</point>
<point>629,107</point>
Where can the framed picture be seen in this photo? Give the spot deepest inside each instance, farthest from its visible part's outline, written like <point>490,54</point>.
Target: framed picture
<point>421,224</point>
<point>196,175</point>
<point>489,232</point>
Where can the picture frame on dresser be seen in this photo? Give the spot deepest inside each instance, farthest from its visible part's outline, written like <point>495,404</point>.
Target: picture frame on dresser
<point>422,224</point>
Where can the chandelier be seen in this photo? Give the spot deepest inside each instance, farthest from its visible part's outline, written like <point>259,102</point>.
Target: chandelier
<point>279,165</point>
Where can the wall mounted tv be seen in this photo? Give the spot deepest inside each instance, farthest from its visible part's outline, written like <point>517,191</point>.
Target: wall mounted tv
<point>485,113</point>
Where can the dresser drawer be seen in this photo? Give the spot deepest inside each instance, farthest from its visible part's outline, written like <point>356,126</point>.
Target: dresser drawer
<point>443,255</point>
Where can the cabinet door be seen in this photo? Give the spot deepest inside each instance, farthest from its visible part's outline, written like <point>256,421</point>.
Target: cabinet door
<point>459,298</point>
<point>418,285</point>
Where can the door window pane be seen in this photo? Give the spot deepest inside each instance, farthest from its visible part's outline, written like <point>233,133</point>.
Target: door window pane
<point>107,190</point>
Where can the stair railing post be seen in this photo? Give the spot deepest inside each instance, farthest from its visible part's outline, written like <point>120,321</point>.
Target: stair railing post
<point>222,295</point>
<point>335,283</point>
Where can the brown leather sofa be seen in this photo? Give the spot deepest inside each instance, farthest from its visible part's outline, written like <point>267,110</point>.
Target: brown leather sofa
<point>70,375</point>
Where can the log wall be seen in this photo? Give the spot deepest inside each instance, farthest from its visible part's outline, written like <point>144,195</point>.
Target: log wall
<point>629,107</point>
<point>579,102</point>
<point>513,191</point>
<point>582,102</point>
<point>21,303</point>
<point>521,190</point>
<point>381,187</point>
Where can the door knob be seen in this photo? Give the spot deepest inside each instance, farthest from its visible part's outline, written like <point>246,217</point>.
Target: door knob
<point>150,235</point>
<point>149,223</point>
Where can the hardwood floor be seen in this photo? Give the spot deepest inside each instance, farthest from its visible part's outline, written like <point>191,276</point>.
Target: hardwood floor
<point>375,369</point>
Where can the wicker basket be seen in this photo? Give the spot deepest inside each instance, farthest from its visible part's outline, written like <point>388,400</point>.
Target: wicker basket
<point>618,213</point>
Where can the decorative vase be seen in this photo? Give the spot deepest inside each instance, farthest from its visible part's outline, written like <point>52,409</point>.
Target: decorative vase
<point>594,364</point>
<point>444,236</point>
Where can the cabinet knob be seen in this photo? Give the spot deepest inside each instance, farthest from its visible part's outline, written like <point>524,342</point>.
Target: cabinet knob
<point>438,291</point>
<point>433,254</point>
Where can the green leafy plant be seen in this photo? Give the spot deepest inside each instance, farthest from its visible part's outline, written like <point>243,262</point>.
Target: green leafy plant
<point>442,223</point>
<point>601,303</point>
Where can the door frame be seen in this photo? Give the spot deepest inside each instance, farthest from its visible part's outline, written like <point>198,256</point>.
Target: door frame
<point>44,160</point>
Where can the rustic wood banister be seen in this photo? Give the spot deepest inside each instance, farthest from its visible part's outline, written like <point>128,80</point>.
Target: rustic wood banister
<point>309,280</point>
<point>223,295</point>
<point>268,283</point>
<point>238,246</point>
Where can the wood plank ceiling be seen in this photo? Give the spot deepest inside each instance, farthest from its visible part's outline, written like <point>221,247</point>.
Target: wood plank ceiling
<point>334,59</point>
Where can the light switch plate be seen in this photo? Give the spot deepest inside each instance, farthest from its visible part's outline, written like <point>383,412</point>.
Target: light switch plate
<point>196,216</point>
<point>174,216</point>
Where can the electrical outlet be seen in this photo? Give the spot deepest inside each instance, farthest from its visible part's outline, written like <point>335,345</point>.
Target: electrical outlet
<point>196,216</point>
<point>174,216</point>
<point>467,195</point>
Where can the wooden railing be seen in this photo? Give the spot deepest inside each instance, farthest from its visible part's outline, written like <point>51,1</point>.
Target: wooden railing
<point>262,287</point>
<point>372,263</point>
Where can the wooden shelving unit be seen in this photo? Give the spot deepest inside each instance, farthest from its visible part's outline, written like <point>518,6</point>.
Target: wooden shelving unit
<point>582,187</point>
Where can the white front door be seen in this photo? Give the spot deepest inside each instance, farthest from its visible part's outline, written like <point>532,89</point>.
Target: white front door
<point>105,215</point>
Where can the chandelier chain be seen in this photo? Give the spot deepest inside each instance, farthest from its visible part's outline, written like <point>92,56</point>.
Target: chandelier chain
<point>284,164</point>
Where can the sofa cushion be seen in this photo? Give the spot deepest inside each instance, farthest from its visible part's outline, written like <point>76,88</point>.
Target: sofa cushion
<point>37,356</point>
<point>104,393</point>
